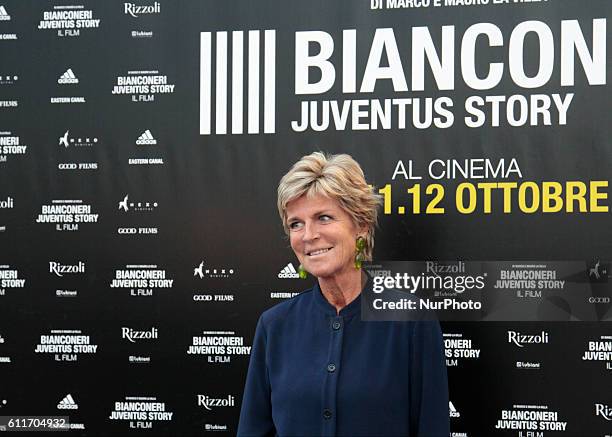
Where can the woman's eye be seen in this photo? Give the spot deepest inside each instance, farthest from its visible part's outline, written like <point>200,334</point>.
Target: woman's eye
<point>325,218</point>
<point>295,225</point>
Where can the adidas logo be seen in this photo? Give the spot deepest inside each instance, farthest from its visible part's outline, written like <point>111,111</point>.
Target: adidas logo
<point>3,15</point>
<point>68,77</point>
<point>68,403</point>
<point>146,138</point>
<point>288,272</point>
<point>452,410</point>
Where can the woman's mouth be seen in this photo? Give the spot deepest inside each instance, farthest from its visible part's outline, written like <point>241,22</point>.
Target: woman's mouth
<point>318,251</point>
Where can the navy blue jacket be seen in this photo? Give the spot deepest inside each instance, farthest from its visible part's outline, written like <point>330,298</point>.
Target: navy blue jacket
<point>313,372</point>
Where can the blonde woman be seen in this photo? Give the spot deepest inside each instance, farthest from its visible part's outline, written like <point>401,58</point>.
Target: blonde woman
<point>316,368</point>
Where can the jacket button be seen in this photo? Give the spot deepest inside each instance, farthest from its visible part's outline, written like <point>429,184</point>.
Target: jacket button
<point>336,325</point>
<point>331,368</point>
<point>327,414</point>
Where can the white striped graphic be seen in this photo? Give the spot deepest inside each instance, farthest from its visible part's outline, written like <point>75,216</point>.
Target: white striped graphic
<point>146,135</point>
<point>237,65</point>
<point>288,272</point>
<point>237,45</point>
<point>67,403</point>
<point>146,138</point>
<point>269,81</point>
<point>205,74</point>
<point>253,81</point>
<point>68,74</point>
<point>68,77</point>
<point>221,78</point>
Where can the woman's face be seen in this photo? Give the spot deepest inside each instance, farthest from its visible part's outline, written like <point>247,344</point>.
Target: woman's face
<point>322,235</point>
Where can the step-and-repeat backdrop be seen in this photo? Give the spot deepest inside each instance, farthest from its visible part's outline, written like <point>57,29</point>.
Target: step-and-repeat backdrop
<point>140,149</point>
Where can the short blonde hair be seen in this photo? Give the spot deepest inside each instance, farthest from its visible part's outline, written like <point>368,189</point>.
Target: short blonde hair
<point>339,177</point>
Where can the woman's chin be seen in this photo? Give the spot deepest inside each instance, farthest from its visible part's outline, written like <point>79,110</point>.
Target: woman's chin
<point>325,272</point>
<point>321,272</point>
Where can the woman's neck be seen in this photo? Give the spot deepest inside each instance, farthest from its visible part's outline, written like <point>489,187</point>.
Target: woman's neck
<point>341,290</point>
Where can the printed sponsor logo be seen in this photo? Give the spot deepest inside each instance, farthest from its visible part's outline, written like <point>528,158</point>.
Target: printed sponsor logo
<point>146,161</point>
<point>61,269</point>
<point>242,52</point>
<point>288,272</point>
<point>209,402</point>
<point>141,411</point>
<point>530,418</point>
<point>521,340</point>
<point>68,100</point>
<point>9,203</point>
<point>529,281</point>
<point>68,403</point>
<point>218,346</point>
<point>214,427</point>
<point>453,413</point>
<point>68,20</point>
<point>139,359</point>
<point>9,279</point>
<point>203,272</point>
<point>146,139</point>
<point>598,271</point>
<point>67,215</point>
<point>77,166</point>
<point>136,10</point>
<point>4,16</point>
<point>8,80</point>
<point>126,205</point>
<point>143,86</point>
<point>10,145</point>
<point>133,335</point>
<point>282,294</point>
<point>213,297</point>
<point>68,77</point>
<point>604,411</point>
<point>527,365</point>
<point>142,34</point>
<point>67,141</point>
<point>66,345</point>
<point>600,350</point>
<point>141,280</point>
<point>4,359</point>
<point>137,231</point>
<point>457,348</point>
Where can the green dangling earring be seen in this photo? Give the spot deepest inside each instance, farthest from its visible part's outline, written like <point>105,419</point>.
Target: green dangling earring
<point>360,244</point>
<point>302,273</point>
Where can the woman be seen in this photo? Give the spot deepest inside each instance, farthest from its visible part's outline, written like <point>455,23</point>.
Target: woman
<point>316,368</point>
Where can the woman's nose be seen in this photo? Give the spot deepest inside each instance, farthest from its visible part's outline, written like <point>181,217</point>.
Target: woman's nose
<point>310,231</point>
